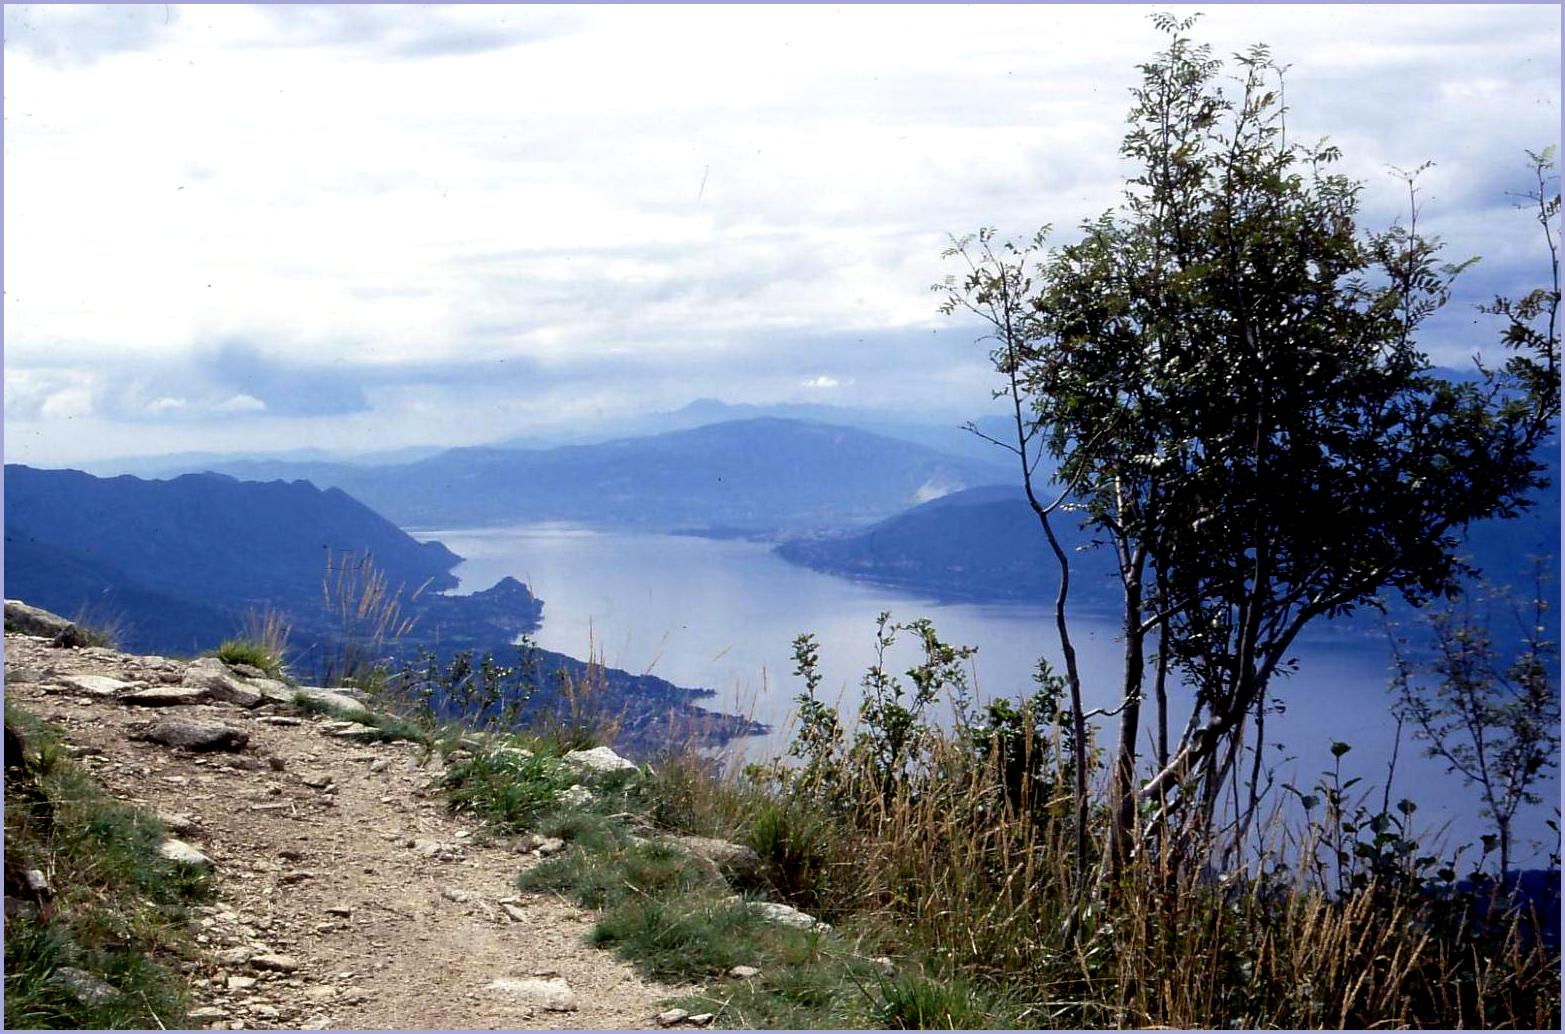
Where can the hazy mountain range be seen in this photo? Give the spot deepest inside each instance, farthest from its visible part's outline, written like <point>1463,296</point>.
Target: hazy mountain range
<point>760,475</point>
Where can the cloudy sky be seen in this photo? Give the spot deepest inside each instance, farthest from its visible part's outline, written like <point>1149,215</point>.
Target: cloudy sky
<point>360,228</point>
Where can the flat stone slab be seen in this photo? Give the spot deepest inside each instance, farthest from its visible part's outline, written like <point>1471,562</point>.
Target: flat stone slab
<point>550,993</point>
<point>187,734</point>
<point>98,685</point>
<point>166,696</point>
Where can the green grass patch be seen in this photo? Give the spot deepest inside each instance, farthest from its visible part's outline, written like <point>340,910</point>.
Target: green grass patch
<point>510,791</point>
<point>607,877</point>
<point>253,653</point>
<point>118,909</point>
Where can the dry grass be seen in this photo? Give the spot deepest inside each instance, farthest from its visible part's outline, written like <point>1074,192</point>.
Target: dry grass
<point>958,868</point>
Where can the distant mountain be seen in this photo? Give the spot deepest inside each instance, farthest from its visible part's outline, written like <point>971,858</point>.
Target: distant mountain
<point>948,435</point>
<point>985,545</point>
<point>764,474</point>
<point>183,560</point>
<point>176,463</point>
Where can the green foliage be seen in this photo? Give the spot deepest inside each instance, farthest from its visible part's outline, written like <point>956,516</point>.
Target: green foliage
<point>692,938</point>
<point>608,876</point>
<point>1228,376</point>
<point>922,1002</point>
<point>118,910</point>
<point>1492,713</point>
<point>793,837</point>
<point>511,791</point>
<point>245,651</point>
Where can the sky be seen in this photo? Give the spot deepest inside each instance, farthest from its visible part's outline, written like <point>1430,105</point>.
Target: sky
<point>358,228</point>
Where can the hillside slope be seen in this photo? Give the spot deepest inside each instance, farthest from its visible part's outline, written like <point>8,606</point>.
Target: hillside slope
<point>182,561</point>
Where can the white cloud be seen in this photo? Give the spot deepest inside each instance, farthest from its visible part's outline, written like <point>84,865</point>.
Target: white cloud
<point>240,404</point>
<point>824,383</point>
<point>383,186</point>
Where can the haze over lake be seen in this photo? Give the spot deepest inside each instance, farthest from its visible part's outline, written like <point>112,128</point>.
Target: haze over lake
<point>722,615</point>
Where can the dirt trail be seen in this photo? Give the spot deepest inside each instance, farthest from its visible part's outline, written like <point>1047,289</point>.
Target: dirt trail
<point>341,857</point>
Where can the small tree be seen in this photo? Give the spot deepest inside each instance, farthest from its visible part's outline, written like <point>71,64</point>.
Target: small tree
<point>1227,373</point>
<point>1492,716</point>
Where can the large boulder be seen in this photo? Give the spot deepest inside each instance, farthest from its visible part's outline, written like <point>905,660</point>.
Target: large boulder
<point>727,858</point>
<point>212,675</point>
<point>340,703</point>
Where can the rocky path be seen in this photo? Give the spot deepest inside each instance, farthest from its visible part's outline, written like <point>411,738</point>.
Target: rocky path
<point>347,897</point>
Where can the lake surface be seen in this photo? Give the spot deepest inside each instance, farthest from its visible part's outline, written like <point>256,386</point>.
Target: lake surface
<point>722,615</point>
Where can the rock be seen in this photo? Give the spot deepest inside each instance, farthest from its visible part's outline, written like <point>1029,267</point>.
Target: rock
<point>380,764</point>
<point>38,883</point>
<point>241,983</point>
<point>599,760</point>
<point>88,988</point>
<point>317,780</point>
<point>234,956</point>
<point>29,620</point>
<point>182,853</point>
<point>348,730</point>
<point>744,972</point>
<point>455,894</point>
<point>248,671</point>
<point>212,675</point>
<point>553,993</point>
<point>670,1017</point>
<point>436,850</point>
<point>728,857</point>
<point>787,915</point>
<point>280,719</point>
<point>513,912</point>
<point>187,734</point>
<point>575,796</point>
<point>339,910</point>
<point>550,846</point>
<point>178,821</point>
<point>97,685</point>
<point>273,691</point>
<point>701,1019</point>
<point>275,963</point>
<point>341,703</point>
<point>165,696</point>
<point>71,638</point>
<point>206,1014</point>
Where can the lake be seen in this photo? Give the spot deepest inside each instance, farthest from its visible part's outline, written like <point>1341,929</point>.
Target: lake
<point>722,615</point>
